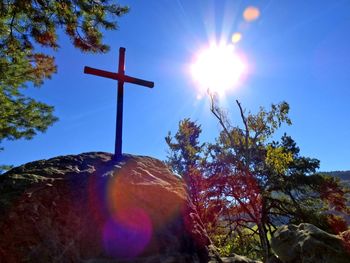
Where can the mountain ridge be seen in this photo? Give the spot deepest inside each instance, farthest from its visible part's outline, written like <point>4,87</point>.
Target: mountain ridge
<point>342,175</point>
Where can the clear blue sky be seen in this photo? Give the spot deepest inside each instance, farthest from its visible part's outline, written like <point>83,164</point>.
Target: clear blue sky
<point>298,51</point>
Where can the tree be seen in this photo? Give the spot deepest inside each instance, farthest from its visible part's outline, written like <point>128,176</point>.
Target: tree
<point>253,184</point>
<point>239,167</point>
<point>264,182</point>
<point>304,195</point>
<point>185,157</point>
<point>25,26</point>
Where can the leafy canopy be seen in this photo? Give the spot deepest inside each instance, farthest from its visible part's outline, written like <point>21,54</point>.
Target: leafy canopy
<point>26,27</point>
<point>246,184</point>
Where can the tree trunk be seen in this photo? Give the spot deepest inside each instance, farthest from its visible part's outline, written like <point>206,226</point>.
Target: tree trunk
<point>264,241</point>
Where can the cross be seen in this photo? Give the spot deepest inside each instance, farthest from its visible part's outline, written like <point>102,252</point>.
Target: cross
<point>121,78</point>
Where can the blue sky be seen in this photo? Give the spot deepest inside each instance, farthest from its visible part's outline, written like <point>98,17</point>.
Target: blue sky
<point>297,51</point>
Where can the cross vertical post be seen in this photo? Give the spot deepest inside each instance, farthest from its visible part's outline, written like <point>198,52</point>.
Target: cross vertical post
<point>119,120</point>
<point>121,78</point>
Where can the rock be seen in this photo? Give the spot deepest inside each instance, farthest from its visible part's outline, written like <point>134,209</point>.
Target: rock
<point>308,244</point>
<point>238,259</point>
<point>89,208</point>
<point>345,236</point>
<point>273,259</point>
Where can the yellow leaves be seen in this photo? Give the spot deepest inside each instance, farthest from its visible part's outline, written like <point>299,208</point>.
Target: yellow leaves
<point>278,159</point>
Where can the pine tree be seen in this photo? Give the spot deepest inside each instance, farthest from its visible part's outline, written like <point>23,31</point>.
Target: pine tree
<point>185,157</point>
<point>25,26</point>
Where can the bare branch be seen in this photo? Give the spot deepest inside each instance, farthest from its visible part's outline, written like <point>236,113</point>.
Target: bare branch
<point>246,137</point>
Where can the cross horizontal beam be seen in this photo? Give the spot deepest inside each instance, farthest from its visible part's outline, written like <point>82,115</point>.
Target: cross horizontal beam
<point>119,77</point>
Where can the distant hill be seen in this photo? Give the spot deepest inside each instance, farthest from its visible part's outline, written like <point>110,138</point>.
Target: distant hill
<point>343,175</point>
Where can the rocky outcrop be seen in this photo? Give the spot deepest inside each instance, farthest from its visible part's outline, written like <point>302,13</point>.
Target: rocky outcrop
<point>238,259</point>
<point>89,208</point>
<point>308,244</point>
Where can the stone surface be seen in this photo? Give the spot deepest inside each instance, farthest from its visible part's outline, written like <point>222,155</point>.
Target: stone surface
<point>238,259</point>
<point>88,208</point>
<point>308,244</point>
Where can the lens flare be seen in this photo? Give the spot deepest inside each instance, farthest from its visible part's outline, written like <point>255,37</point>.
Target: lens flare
<point>251,13</point>
<point>236,37</point>
<point>127,235</point>
<point>218,68</point>
<point>125,208</point>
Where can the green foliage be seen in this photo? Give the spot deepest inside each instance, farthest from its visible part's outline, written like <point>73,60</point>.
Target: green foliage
<point>225,247</point>
<point>27,25</point>
<point>4,168</point>
<point>186,151</point>
<point>186,159</point>
<point>242,242</point>
<point>250,180</point>
<point>22,117</point>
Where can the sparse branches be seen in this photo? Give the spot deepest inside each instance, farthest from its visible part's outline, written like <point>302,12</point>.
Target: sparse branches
<point>220,115</point>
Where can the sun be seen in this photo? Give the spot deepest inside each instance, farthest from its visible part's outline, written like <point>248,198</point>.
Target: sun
<point>217,68</point>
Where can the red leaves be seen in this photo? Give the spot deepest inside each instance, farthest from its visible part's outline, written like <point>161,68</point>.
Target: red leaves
<point>333,194</point>
<point>43,66</point>
<point>337,223</point>
<point>46,38</point>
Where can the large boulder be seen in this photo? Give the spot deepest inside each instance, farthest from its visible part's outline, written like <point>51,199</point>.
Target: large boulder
<point>306,243</point>
<point>90,208</point>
